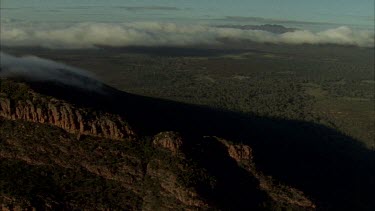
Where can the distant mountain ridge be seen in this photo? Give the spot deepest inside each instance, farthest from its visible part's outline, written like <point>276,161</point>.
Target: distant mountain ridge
<point>273,28</point>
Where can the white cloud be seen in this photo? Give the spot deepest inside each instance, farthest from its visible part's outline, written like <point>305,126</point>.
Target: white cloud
<point>88,35</point>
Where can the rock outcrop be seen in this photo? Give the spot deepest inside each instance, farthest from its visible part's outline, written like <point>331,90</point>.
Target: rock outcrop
<point>59,113</point>
<point>170,141</point>
<point>240,152</point>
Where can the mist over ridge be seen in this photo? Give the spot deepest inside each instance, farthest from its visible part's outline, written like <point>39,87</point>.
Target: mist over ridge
<point>33,68</point>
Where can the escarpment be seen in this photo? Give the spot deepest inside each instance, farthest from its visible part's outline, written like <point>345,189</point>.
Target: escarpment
<point>36,108</point>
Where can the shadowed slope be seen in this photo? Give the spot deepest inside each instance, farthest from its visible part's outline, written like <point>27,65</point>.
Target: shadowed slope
<point>325,164</point>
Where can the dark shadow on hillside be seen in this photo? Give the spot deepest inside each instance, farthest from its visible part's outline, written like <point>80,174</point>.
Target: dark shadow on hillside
<point>234,188</point>
<point>191,51</point>
<point>179,51</point>
<point>335,170</point>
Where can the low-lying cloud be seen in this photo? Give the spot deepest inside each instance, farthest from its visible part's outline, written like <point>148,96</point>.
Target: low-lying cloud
<point>89,35</point>
<point>32,68</point>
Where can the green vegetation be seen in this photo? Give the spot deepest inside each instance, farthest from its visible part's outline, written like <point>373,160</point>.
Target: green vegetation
<point>14,91</point>
<point>311,83</point>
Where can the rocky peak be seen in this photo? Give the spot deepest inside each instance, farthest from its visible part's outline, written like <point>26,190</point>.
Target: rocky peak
<point>171,141</point>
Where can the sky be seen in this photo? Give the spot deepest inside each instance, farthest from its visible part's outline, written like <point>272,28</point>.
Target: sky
<point>90,23</point>
<point>340,12</point>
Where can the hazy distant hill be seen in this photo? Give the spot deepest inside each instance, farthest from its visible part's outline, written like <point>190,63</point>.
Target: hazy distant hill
<point>273,28</point>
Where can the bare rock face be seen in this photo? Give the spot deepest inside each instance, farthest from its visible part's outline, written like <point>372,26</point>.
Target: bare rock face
<point>66,116</point>
<point>171,141</point>
<point>240,152</point>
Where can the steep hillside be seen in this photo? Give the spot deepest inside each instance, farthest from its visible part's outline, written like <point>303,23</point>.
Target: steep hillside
<point>74,149</point>
<point>55,170</point>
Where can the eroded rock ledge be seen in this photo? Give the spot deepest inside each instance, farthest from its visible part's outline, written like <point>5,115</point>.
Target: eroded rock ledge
<point>59,113</point>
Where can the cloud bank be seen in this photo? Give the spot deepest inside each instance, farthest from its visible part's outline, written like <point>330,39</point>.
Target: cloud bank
<point>32,68</point>
<point>89,35</point>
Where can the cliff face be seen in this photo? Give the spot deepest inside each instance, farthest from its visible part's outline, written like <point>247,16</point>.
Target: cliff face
<point>59,113</point>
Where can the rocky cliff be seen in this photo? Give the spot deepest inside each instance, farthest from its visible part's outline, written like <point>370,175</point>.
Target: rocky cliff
<point>81,121</point>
